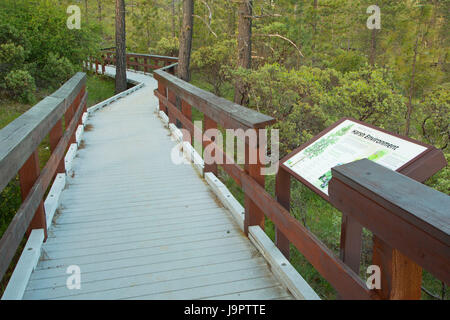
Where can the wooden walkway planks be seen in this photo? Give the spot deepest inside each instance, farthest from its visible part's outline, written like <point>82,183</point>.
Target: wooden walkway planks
<point>141,227</point>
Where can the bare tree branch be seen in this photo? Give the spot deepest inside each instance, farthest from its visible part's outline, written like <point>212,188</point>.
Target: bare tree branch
<point>281,37</point>
<point>210,11</point>
<point>274,15</point>
<point>206,23</point>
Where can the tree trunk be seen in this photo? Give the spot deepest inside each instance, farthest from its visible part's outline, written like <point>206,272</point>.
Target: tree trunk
<point>315,17</point>
<point>231,26</point>
<point>411,89</point>
<point>184,56</point>
<point>244,48</point>
<point>99,5</point>
<point>86,10</point>
<point>121,63</point>
<point>373,44</point>
<point>173,18</point>
<point>373,47</point>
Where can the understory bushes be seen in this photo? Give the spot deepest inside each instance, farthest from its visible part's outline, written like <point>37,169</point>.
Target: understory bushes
<point>37,50</point>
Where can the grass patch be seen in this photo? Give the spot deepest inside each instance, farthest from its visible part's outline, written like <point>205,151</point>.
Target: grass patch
<point>99,88</point>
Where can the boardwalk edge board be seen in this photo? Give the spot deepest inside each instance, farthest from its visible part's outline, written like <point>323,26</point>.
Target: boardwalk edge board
<point>25,266</point>
<point>189,152</point>
<point>164,117</point>
<point>100,105</point>
<point>108,101</point>
<point>227,199</point>
<point>84,118</point>
<point>71,153</point>
<point>280,266</point>
<point>52,201</point>
<point>79,134</point>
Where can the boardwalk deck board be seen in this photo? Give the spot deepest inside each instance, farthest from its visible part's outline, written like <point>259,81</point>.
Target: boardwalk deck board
<point>141,227</point>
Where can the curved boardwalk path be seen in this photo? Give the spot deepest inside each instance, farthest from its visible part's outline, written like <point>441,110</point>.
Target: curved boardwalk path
<point>139,226</point>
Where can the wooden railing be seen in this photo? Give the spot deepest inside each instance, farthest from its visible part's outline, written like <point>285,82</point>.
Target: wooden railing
<point>138,62</point>
<point>426,244</point>
<point>410,223</point>
<point>19,143</point>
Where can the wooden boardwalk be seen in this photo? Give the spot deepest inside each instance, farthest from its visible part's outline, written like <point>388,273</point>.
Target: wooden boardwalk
<point>139,226</point>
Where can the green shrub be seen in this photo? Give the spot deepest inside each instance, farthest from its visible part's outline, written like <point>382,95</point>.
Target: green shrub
<point>20,84</point>
<point>348,61</point>
<point>213,63</point>
<point>11,57</point>
<point>166,47</point>
<point>307,100</point>
<point>435,117</point>
<point>56,71</point>
<point>10,34</point>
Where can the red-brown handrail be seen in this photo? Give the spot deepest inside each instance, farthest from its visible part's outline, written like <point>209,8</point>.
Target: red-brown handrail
<point>136,61</point>
<point>19,142</point>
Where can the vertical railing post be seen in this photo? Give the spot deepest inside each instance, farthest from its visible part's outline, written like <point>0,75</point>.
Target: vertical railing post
<point>172,98</point>
<point>28,175</point>
<point>146,64</point>
<point>55,136</point>
<point>351,242</point>
<point>103,64</point>
<point>254,216</point>
<point>96,66</point>
<point>401,278</point>
<point>208,123</point>
<point>283,196</point>
<point>186,109</point>
<point>172,71</point>
<point>69,116</point>
<point>162,90</point>
<point>82,92</point>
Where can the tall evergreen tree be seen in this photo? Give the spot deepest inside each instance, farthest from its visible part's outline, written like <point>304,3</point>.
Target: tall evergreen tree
<point>121,63</point>
<point>244,47</point>
<point>186,40</point>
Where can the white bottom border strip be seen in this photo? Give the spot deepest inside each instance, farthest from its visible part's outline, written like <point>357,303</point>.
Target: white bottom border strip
<point>25,266</point>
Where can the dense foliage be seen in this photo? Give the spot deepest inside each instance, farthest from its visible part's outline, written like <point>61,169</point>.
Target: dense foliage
<point>37,49</point>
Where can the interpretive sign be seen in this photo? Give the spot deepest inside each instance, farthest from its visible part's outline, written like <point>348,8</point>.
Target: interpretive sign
<point>346,141</point>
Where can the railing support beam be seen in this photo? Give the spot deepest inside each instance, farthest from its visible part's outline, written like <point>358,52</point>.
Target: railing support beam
<point>283,195</point>
<point>209,124</point>
<point>351,242</point>
<point>401,278</point>
<point>28,175</point>
<point>186,109</point>
<point>254,216</point>
<point>55,135</point>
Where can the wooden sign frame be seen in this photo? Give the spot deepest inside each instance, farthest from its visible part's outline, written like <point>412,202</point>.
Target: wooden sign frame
<point>420,168</point>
